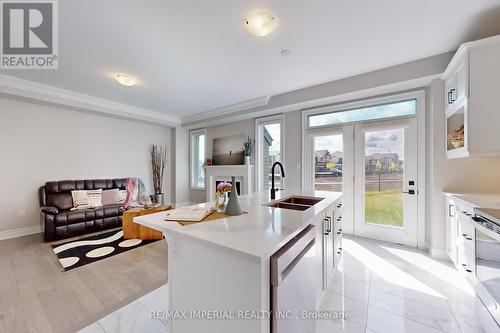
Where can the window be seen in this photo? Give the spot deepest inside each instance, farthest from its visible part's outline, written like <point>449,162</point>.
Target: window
<point>269,133</point>
<point>389,110</point>
<point>197,159</point>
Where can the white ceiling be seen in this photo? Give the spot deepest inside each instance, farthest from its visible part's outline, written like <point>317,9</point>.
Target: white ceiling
<point>192,56</point>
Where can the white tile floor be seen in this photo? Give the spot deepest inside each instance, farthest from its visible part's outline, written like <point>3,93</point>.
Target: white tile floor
<point>384,287</point>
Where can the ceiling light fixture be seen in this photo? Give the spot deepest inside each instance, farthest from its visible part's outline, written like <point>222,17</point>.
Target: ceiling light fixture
<point>260,23</point>
<point>126,80</point>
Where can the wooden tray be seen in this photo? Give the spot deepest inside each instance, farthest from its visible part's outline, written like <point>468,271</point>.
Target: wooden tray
<point>212,217</point>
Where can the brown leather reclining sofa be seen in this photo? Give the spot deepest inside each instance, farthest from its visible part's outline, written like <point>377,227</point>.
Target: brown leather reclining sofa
<point>61,222</point>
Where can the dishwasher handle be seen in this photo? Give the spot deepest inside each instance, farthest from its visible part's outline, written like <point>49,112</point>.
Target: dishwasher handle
<point>286,258</point>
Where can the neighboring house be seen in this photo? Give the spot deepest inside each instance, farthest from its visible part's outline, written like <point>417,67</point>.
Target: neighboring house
<point>322,156</point>
<point>338,158</point>
<point>386,159</point>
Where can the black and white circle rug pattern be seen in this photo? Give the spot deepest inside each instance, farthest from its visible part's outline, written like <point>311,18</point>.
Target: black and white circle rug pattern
<point>86,250</point>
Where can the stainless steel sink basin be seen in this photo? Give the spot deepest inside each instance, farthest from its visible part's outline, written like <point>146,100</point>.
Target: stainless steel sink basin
<point>296,202</point>
<point>308,201</point>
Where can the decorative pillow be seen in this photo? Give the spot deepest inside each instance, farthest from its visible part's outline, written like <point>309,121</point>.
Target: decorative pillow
<point>111,197</point>
<point>80,199</point>
<point>123,196</point>
<point>95,198</point>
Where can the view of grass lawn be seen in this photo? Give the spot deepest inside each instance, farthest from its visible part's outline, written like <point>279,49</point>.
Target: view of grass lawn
<point>384,207</point>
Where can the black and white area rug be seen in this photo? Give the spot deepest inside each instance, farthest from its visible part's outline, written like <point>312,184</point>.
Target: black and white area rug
<point>86,250</point>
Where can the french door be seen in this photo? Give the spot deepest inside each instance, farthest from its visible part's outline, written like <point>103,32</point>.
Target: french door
<point>385,182</point>
<point>375,166</point>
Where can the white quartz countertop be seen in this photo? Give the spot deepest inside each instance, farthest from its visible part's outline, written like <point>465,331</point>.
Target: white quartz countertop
<point>260,232</point>
<point>477,199</point>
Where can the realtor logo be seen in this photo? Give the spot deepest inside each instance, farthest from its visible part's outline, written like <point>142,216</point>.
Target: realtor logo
<point>29,34</point>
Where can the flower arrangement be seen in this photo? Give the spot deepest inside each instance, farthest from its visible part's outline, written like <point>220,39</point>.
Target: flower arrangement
<point>221,195</point>
<point>223,188</point>
<point>248,147</point>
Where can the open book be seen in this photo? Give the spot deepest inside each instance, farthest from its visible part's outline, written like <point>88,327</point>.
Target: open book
<point>194,214</point>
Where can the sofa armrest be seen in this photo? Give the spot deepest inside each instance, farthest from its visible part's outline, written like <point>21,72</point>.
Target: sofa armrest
<point>49,210</point>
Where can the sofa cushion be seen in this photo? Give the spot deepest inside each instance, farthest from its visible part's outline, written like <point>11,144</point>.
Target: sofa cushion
<point>62,201</point>
<point>71,217</point>
<point>108,211</point>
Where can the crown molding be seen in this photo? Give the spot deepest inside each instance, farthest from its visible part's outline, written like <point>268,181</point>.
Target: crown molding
<point>38,92</point>
<point>228,110</point>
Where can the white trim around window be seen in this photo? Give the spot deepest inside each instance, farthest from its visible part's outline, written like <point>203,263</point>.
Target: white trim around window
<point>194,183</point>
<point>276,119</point>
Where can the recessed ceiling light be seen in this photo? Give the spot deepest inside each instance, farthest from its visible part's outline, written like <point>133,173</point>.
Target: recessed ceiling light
<point>126,80</point>
<point>260,23</point>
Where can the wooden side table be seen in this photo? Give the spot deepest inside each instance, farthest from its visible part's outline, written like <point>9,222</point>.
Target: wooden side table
<point>138,231</point>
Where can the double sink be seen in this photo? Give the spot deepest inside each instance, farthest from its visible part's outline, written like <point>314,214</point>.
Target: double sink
<point>295,202</point>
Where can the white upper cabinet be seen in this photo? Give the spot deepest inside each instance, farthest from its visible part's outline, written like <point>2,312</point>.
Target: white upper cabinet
<point>472,88</point>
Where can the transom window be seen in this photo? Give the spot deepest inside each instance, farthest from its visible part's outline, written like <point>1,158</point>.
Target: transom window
<point>373,112</point>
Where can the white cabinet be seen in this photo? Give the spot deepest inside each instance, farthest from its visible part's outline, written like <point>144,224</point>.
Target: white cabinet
<point>329,236</point>
<point>460,235</point>
<point>451,229</point>
<point>471,99</point>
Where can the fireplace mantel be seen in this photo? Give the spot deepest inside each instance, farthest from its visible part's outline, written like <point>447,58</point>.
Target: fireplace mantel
<point>214,173</point>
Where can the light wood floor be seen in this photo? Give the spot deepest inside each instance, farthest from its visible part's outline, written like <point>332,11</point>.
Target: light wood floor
<point>36,296</point>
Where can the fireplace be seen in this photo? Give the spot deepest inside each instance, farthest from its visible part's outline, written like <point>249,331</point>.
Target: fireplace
<point>215,174</point>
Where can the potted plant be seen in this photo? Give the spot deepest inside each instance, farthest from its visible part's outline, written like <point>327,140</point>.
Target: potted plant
<point>247,149</point>
<point>158,162</point>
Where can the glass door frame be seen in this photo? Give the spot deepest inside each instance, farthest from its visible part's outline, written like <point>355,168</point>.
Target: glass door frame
<point>277,119</point>
<point>407,234</point>
<point>307,184</point>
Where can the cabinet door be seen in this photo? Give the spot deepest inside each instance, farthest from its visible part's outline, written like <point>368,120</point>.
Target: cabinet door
<point>451,229</point>
<point>449,91</point>
<point>462,83</point>
<point>320,284</point>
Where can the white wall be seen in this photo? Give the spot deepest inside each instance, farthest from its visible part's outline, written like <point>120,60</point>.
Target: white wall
<point>478,174</point>
<point>39,143</point>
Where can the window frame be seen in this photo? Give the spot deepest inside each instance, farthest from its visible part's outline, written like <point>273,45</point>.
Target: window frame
<point>275,119</point>
<point>192,135</point>
<point>370,102</point>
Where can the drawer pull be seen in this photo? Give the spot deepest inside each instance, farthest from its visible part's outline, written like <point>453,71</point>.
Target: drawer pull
<point>466,237</point>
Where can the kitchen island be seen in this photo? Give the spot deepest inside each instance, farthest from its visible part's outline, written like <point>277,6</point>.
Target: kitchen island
<point>220,271</point>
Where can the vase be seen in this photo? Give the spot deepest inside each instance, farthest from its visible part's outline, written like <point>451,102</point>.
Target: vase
<point>160,198</point>
<point>233,204</point>
<point>220,201</point>
<point>247,160</point>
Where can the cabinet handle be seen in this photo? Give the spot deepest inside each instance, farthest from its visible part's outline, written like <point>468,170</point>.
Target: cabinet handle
<point>325,228</point>
<point>449,97</point>
<point>466,269</point>
<point>452,91</point>
<point>449,210</point>
<point>467,237</point>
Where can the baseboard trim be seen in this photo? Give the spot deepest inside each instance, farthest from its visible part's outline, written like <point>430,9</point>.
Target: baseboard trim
<point>14,233</point>
<point>439,254</point>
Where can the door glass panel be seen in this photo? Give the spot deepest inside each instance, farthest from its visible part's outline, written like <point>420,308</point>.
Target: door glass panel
<point>328,161</point>
<point>384,167</point>
<point>271,152</point>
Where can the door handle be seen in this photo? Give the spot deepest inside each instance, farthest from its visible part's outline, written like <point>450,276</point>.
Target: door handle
<point>410,192</point>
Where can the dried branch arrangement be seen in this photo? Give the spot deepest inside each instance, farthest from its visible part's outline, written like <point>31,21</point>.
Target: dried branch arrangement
<point>158,163</point>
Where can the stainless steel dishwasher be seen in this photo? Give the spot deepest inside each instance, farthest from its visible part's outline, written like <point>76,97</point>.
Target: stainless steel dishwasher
<point>292,284</point>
